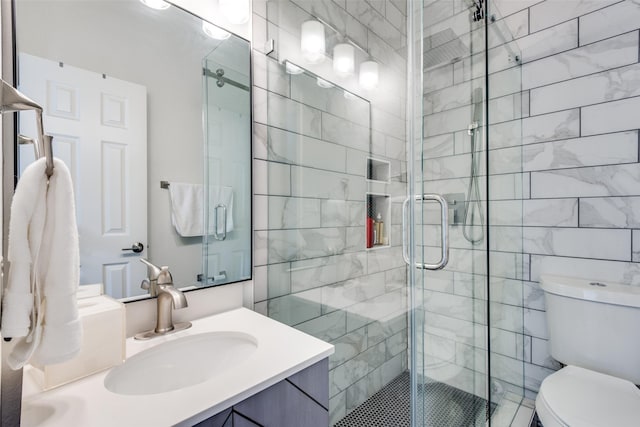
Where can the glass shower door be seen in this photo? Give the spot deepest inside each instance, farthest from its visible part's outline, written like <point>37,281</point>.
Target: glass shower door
<point>227,195</point>
<point>467,319</point>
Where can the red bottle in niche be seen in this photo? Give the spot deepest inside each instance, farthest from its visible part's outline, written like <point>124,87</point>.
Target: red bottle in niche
<point>369,230</point>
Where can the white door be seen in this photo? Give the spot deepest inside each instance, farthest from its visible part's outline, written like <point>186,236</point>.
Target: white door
<point>99,129</point>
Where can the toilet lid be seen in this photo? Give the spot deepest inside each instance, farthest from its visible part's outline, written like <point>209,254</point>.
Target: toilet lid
<point>580,397</point>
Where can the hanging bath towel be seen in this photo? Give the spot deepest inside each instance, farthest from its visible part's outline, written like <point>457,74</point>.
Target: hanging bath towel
<point>187,208</point>
<point>40,307</point>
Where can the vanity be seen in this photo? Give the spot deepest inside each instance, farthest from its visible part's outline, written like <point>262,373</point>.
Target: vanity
<point>277,376</point>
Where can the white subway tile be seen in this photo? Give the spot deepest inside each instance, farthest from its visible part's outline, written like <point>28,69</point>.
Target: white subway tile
<point>611,116</point>
<point>286,114</point>
<point>552,12</point>
<point>549,41</point>
<point>578,242</point>
<point>610,53</point>
<point>635,256</point>
<point>609,149</point>
<point>613,20</point>
<point>550,212</point>
<point>596,88</point>
<point>550,127</point>
<point>508,7</point>
<point>621,180</point>
<point>610,212</point>
<point>593,269</point>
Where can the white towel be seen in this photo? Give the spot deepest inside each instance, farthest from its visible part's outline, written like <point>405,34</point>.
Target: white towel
<point>187,208</point>
<point>40,306</point>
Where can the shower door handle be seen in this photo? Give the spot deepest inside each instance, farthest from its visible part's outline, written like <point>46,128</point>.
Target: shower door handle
<point>444,216</point>
<point>223,235</point>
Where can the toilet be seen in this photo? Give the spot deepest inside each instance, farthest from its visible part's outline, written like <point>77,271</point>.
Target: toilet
<point>594,329</point>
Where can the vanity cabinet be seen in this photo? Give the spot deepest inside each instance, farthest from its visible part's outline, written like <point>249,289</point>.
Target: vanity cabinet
<point>299,400</point>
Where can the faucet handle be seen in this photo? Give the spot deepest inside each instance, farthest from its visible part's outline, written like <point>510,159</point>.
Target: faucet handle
<point>153,270</point>
<point>164,277</point>
<point>146,284</point>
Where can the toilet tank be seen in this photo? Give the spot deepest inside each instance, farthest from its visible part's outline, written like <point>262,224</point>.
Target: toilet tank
<point>594,325</point>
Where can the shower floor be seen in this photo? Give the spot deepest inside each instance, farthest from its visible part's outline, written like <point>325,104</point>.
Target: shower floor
<point>445,406</point>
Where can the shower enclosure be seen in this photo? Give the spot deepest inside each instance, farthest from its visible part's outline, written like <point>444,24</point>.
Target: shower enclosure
<point>394,225</point>
<point>467,323</point>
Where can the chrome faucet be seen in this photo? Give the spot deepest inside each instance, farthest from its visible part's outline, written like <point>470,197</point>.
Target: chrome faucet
<point>160,285</point>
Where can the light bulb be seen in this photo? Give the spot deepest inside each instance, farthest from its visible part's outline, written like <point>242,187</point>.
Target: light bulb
<point>156,4</point>
<point>312,41</point>
<point>214,32</point>
<point>369,75</point>
<point>236,11</point>
<point>343,59</point>
<point>293,69</point>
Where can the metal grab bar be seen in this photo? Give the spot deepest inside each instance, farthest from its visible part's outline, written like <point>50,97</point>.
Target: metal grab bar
<point>223,235</point>
<point>444,217</point>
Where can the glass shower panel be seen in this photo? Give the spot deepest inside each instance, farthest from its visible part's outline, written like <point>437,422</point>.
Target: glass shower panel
<point>330,248</point>
<point>451,303</point>
<point>227,195</point>
<point>508,104</point>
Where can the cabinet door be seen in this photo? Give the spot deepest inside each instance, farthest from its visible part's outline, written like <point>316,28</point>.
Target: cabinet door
<point>240,421</point>
<point>223,419</point>
<point>283,405</point>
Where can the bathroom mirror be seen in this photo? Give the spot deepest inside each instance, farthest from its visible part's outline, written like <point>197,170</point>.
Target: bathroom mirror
<point>126,89</point>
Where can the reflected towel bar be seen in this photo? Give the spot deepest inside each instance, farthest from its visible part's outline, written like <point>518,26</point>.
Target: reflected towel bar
<point>164,184</point>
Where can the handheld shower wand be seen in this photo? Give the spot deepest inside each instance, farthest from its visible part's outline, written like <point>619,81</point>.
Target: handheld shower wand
<point>473,201</point>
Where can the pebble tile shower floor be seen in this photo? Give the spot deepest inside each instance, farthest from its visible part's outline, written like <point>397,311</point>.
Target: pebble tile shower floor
<point>445,406</point>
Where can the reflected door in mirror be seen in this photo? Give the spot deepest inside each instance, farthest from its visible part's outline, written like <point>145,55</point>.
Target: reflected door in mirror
<point>99,125</point>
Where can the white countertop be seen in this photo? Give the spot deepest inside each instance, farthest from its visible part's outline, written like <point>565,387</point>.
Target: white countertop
<point>282,351</point>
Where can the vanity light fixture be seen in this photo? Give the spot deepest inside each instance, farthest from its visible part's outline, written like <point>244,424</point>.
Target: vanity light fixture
<point>323,83</point>
<point>236,11</point>
<point>292,68</point>
<point>369,75</point>
<point>214,32</point>
<point>156,4</point>
<point>344,59</point>
<point>312,41</point>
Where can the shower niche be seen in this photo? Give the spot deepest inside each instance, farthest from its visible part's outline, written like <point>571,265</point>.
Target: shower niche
<point>378,170</point>
<point>377,223</point>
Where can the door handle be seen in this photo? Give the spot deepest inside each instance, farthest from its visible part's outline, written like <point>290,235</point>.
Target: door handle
<point>444,217</point>
<point>136,248</point>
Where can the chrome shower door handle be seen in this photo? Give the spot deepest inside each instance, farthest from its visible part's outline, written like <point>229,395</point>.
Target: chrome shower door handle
<point>444,231</point>
<point>223,235</point>
<point>405,247</point>
<point>444,218</point>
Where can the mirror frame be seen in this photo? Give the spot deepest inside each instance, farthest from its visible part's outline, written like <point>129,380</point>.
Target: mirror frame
<point>10,380</point>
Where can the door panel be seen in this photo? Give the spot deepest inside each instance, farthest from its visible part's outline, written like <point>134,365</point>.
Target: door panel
<point>99,125</point>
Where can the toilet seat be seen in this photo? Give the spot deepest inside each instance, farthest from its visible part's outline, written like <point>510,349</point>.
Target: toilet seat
<point>578,397</point>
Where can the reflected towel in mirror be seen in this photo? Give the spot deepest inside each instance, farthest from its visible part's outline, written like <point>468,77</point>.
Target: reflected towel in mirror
<point>39,305</point>
<point>187,207</point>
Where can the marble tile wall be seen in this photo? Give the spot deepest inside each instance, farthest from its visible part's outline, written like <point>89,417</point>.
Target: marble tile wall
<point>312,270</point>
<point>583,161</point>
<point>564,164</point>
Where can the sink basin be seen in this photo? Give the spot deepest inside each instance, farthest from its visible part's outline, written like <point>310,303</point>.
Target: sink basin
<point>180,363</point>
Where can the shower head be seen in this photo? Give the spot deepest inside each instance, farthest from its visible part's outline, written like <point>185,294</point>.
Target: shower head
<point>446,48</point>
